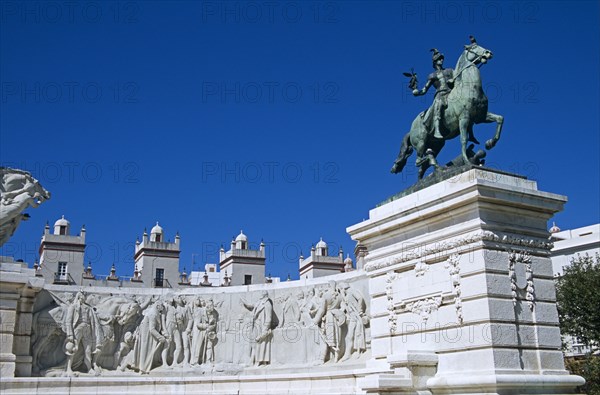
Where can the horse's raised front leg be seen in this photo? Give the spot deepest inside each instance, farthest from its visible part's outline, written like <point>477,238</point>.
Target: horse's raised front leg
<point>499,119</point>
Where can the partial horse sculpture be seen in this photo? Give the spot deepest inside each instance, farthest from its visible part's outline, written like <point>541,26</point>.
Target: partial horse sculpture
<point>466,105</point>
<point>18,190</point>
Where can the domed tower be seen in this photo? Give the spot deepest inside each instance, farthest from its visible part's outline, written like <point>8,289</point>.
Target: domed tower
<point>62,227</point>
<point>241,241</point>
<point>319,263</point>
<point>244,265</point>
<point>156,233</point>
<point>348,264</point>
<point>156,261</point>
<point>61,255</point>
<point>321,248</point>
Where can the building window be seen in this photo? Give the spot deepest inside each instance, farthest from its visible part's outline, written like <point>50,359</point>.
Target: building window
<point>247,279</point>
<point>158,237</point>
<point>211,269</point>
<point>62,271</point>
<point>62,230</point>
<point>160,278</point>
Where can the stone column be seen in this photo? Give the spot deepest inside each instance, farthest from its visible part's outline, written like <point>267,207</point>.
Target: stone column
<point>360,252</point>
<point>18,287</point>
<point>462,291</point>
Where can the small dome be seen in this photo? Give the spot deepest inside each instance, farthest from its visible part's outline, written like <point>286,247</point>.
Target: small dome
<point>554,228</point>
<point>62,222</point>
<point>241,237</point>
<point>321,244</point>
<point>348,260</point>
<point>156,229</point>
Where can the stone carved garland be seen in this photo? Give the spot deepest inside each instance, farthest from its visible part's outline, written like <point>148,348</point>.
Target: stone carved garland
<point>515,257</point>
<point>452,264</point>
<point>421,268</point>
<point>424,307</point>
<point>122,334</point>
<point>469,239</point>
<point>389,292</point>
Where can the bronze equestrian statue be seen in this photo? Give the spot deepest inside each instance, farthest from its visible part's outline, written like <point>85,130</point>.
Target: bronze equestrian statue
<point>459,103</point>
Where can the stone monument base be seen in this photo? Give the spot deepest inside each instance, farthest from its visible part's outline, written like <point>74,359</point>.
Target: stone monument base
<point>462,289</point>
<point>318,380</point>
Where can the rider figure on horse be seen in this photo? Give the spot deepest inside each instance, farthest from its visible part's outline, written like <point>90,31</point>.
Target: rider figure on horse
<point>443,81</point>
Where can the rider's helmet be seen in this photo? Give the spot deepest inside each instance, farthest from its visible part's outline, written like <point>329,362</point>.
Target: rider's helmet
<point>437,55</point>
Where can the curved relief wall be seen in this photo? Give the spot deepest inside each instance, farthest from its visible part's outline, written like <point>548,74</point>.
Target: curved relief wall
<point>217,331</point>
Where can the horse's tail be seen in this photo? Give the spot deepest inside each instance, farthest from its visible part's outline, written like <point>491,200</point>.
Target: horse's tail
<point>405,151</point>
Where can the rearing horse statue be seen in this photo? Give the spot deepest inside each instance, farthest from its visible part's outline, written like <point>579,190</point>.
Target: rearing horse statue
<point>467,105</point>
<point>18,191</point>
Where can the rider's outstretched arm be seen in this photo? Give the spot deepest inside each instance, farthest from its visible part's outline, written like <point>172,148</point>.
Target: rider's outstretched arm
<point>423,91</point>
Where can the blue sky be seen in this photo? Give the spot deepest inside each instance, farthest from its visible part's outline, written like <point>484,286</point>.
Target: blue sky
<point>281,119</point>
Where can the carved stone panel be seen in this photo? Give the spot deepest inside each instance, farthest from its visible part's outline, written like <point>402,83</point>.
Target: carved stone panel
<point>80,333</point>
<point>520,273</point>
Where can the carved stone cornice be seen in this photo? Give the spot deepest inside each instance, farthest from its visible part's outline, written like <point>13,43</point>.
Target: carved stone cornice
<point>482,235</point>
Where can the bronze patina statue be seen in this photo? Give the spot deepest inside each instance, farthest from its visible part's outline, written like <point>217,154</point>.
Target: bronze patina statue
<point>458,104</point>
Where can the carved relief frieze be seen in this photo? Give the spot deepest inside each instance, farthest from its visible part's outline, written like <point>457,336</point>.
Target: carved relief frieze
<point>81,333</point>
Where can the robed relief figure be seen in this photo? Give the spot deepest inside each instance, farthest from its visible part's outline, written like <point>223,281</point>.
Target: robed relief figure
<point>197,330</point>
<point>329,318</point>
<point>262,325</point>
<point>355,307</point>
<point>149,339</point>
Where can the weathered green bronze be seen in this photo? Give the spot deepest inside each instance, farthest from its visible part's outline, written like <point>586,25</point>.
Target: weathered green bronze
<point>458,104</point>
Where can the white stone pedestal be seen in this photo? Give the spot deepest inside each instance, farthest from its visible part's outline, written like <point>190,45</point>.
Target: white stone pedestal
<point>462,292</point>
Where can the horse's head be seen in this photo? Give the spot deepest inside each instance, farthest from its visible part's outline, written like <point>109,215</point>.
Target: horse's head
<point>475,53</point>
<point>40,193</point>
<point>15,180</point>
<point>128,313</point>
